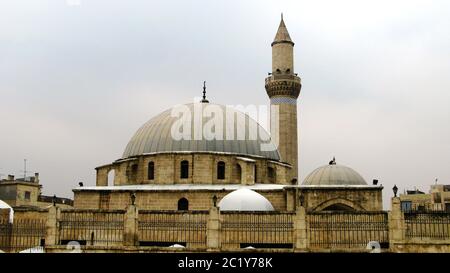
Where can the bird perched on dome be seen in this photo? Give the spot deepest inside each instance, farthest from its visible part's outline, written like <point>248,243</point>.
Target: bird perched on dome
<point>332,162</point>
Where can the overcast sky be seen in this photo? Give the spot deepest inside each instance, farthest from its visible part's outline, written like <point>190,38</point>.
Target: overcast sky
<point>78,78</point>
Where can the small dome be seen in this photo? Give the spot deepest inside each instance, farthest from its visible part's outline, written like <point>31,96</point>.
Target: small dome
<point>155,136</point>
<point>244,199</point>
<point>4,205</point>
<point>334,174</point>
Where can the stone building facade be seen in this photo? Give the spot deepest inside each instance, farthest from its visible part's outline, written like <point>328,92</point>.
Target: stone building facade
<point>26,192</point>
<point>437,199</point>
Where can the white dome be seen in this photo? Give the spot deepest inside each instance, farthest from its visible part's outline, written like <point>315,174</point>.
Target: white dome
<point>4,205</point>
<point>244,199</point>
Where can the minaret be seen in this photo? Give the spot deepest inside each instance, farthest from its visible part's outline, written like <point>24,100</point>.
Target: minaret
<point>283,87</point>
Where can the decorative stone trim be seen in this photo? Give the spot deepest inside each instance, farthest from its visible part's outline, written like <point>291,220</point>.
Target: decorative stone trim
<point>283,100</point>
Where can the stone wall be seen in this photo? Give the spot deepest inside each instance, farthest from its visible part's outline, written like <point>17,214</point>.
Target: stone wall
<point>367,199</point>
<point>30,213</point>
<point>202,170</point>
<point>163,200</point>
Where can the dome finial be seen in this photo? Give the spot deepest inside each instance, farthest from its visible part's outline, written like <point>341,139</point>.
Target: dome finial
<point>332,162</point>
<point>204,100</point>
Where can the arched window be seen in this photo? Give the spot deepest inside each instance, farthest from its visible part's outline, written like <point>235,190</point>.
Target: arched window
<point>110,178</point>
<point>151,170</point>
<point>221,170</point>
<point>338,207</point>
<point>183,204</point>
<point>184,169</point>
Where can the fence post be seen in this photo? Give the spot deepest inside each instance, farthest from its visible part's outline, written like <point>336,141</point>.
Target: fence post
<point>301,242</point>
<point>130,236</point>
<point>397,228</point>
<point>52,226</point>
<point>213,229</point>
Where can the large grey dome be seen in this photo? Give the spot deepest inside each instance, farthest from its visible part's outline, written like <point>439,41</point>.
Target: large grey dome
<point>155,136</point>
<point>333,174</point>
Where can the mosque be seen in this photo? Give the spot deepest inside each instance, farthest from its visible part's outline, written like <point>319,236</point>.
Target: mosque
<point>158,171</point>
<point>208,177</point>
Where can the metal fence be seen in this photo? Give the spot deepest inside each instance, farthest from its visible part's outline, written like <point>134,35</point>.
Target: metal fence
<point>428,225</point>
<point>347,230</point>
<point>257,229</point>
<point>26,235</point>
<point>167,228</point>
<point>94,228</point>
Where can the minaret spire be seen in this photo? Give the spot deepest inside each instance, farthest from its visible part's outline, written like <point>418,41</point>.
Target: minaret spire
<point>283,88</point>
<point>204,100</point>
<point>282,35</point>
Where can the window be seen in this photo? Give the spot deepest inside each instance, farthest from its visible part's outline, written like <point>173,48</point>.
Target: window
<point>183,204</point>
<point>184,169</point>
<point>406,205</point>
<point>104,200</point>
<point>134,169</point>
<point>271,174</point>
<point>239,173</point>
<point>151,170</point>
<point>110,178</point>
<point>27,195</point>
<point>221,170</point>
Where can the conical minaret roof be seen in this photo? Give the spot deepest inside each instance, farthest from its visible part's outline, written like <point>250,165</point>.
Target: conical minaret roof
<point>282,35</point>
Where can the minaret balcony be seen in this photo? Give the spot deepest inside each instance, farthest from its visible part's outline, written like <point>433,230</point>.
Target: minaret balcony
<point>283,85</point>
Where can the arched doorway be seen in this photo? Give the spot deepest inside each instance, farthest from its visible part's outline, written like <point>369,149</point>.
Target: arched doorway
<point>183,204</point>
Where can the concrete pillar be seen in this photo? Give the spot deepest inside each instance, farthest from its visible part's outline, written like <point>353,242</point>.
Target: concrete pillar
<point>397,227</point>
<point>301,242</point>
<point>213,230</point>
<point>52,226</point>
<point>130,232</point>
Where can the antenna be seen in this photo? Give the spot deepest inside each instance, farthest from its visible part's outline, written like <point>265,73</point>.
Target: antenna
<point>25,171</point>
